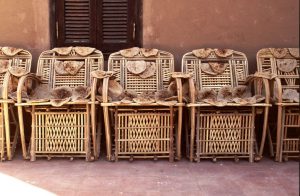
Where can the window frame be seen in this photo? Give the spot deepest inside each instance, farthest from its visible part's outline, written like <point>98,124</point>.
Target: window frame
<point>138,26</point>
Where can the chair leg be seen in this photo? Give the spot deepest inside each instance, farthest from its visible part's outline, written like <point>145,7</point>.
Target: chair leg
<point>7,130</point>
<point>278,135</point>
<point>171,156</point>
<point>87,134</point>
<point>32,148</point>
<point>179,132</point>
<point>17,131</point>
<point>270,142</point>
<point>263,137</point>
<point>93,121</point>
<point>107,132</point>
<point>192,140</point>
<point>22,132</point>
<point>251,157</point>
<point>282,135</point>
<point>99,132</point>
<point>186,129</point>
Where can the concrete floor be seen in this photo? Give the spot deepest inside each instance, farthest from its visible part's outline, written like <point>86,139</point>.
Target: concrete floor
<point>77,177</point>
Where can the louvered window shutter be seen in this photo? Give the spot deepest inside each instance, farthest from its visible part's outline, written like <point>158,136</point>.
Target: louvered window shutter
<point>117,24</point>
<point>75,22</point>
<point>109,25</point>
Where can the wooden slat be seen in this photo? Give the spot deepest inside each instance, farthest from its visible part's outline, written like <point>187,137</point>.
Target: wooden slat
<point>76,11</point>
<point>115,21</point>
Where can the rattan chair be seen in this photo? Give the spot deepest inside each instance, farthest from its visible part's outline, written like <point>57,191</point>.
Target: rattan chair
<point>227,131</point>
<point>284,64</point>
<point>137,130</point>
<point>62,131</point>
<point>9,127</point>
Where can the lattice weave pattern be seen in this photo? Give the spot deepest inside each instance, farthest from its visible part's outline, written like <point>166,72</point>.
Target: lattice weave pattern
<point>291,144</point>
<point>224,134</point>
<point>82,78</point>
<point>143,133</point>
<point>60,132</point>
<point>164,66</point>
<point>22,59</point>
<point>235,74</point>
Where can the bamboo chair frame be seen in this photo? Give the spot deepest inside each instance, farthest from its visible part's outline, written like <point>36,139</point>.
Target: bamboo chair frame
<point>288,117</point>
<point>9,126</point>
<point>60,131</point>
<point>223,132</point>
<point>117,116</point>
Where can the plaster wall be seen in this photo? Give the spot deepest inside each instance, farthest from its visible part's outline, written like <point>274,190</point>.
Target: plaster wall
<point>179,26</point>
<point>25,24</point>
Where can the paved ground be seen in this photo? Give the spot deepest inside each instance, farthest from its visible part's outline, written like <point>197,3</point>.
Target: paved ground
<point>77,177</point>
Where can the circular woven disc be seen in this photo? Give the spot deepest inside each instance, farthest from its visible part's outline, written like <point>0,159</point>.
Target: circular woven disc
<point>225,93</point>
<point>63,50</point>
<point>72,67</point>
<point>206,94</point>
<point>101,74</point>
<point>10,51</point>
<point>149,52</point>
<point>141,100</point>
<point>136,67</point>
<point>241,91</point>
<point>162,95</point>
<point>150,70</point>
<point>62,92</point>
<point>40,94</point>
<point>59,68</point>
<point>223,52</point>
<point>202,53</point>
<point>130,52</point>
<point>81,92</point>
<point>286,65</point>
<point>59,102</point>
<point>18,71</point>
<point>218,68</point>
<point>290,95</point>
<point>84,51</point>
<point>279,52</point>
<point>219,103</point>
<point>205,67</point>
<point>294,52</point>
<point>114,89</point>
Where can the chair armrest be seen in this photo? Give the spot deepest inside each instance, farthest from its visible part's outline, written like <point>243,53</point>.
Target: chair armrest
<point>279,89</point>
<point>258,76</point>
<point>104,76</point>
<point>6,79</point>
<point>21,84</point>
<point>179,77</point>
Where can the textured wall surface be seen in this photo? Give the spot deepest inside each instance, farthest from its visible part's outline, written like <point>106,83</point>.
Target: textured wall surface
<point>25,24</point>
<point>179,26</point>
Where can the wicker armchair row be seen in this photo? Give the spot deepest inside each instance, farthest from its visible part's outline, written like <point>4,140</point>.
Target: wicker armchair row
<point>143,107</point>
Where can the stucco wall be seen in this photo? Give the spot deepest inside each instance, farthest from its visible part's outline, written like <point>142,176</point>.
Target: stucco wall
<point>179,26</point>
<point>25,24</point>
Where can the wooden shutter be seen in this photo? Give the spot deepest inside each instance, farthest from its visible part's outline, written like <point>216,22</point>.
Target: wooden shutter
<point>75,22</point>
<point>117,24</point>
<point>109,25</point>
